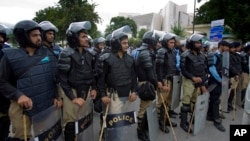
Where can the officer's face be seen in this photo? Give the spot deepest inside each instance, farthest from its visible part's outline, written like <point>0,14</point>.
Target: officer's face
<point>50,36</point>
<point>83,39</point>
<point>101,45</point>
<point>171,43</point>
<point>197,45</point>
<point>225,48</point>
<point>35,37</point>
<point>124,44</point>
<point>1,39</point>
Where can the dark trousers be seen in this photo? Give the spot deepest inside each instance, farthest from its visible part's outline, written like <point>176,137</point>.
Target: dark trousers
<point>214,101</point>
<point>4,127</point>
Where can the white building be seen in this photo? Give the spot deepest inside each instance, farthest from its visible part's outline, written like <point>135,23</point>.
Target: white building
<point>168,16</point>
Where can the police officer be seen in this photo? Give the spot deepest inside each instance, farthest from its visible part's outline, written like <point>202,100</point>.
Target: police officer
<point>145,70</point>
<point>99,44</point>
<point>107,47</point>
<point>215,69</point>
<point>245,70</point>
<point>194,79</point>
<point>48,41</point>
<point>118,67</point>
<point>234,74</point>
<point>166,69</point>
<point>4,102</point>
<point>75,66</point>
<point>26,78</point>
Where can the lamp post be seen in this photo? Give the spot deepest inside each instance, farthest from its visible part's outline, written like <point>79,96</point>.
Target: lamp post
<point>194,14</point>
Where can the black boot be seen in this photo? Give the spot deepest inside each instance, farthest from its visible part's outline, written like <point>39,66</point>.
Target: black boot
<point>69,133</point>
<point>168,124</point>
<point>142,129</point>
<point>217,119</point>
<point>172,114</point>
<point>184,114</point>
<point>163,126</point>
<point>210,112</point>
<point>162,120</point>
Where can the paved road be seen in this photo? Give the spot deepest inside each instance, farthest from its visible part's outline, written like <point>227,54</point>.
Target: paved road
<point>209,133</point>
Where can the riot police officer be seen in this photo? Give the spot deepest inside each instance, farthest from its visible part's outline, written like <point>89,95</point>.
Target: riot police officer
<point>194,79</point>
<point>4,102</point>
<point>234,75</point>
<point>145,70</point>
<point>48,41</point>
<point>215,69</point>
<point>26,78</point>
<point>118,67</point>
<point>99,44</point>
<point>166,69</point>
<point>75,66</point>
<point>245,70</point>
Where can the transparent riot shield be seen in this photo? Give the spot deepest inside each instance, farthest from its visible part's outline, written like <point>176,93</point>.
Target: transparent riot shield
<point>47,125</point>
<point>84,125</point>
<point>246,114</point>
<point>175,102</point>
<point>153,126</point>
<point>225,81</point>
<point>121,121</point>
<point>201,108</point>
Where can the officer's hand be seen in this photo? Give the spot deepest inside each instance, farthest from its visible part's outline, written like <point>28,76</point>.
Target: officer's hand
<point>159,85</point>
<point>197,79</point>
<point>106,100</point>
<point>58,103</point>
<point>132,97</point>
<point>165,88</point>
<point>25,102</point>
<point>93,94</point>
<point>236,77</point>
<point>204,90</point>
<point>78,101</point>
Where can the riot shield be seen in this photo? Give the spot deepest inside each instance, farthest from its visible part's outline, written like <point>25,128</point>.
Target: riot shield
<point>225,81</point>
<point>153,126</point>
<point>84,125</point>
<point>246,115</point>
<point>201,108</point>
<point>175,102</point>
<point>47,125</point>
<point>121,121</point>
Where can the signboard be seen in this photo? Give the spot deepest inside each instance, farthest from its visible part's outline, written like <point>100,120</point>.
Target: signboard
<point>216,31</point>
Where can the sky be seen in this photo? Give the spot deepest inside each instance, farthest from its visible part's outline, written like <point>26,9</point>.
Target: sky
<point>13,11</point>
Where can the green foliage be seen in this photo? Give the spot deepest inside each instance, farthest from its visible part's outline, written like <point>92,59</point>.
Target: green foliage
<point>134,42</point>
<point>141,33</point>
<point>178,30</point>
<point>235,13</point>
<point>119,21</point>
<point>68,11</point>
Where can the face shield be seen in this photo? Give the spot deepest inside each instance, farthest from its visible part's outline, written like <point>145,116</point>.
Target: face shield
<point>75,27</point>
<point>47,25</point>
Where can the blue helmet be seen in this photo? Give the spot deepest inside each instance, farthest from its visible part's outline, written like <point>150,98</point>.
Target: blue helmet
<point>22,30</point>
<point>74,29</point>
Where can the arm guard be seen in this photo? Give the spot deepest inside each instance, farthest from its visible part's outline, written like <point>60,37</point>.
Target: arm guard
<point>64,61</point>
<point>160,55</point>
<point>210,59</point>
<point>145,59</point>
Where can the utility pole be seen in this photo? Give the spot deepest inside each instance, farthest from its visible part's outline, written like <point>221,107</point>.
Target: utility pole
<point>194,14</point>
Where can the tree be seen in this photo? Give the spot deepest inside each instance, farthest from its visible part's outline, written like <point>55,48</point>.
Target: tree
<point>234,12</point>
<point>141,33</point>
<point>119,21</point>
<point>68,11</point>
<point>178,30</point>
